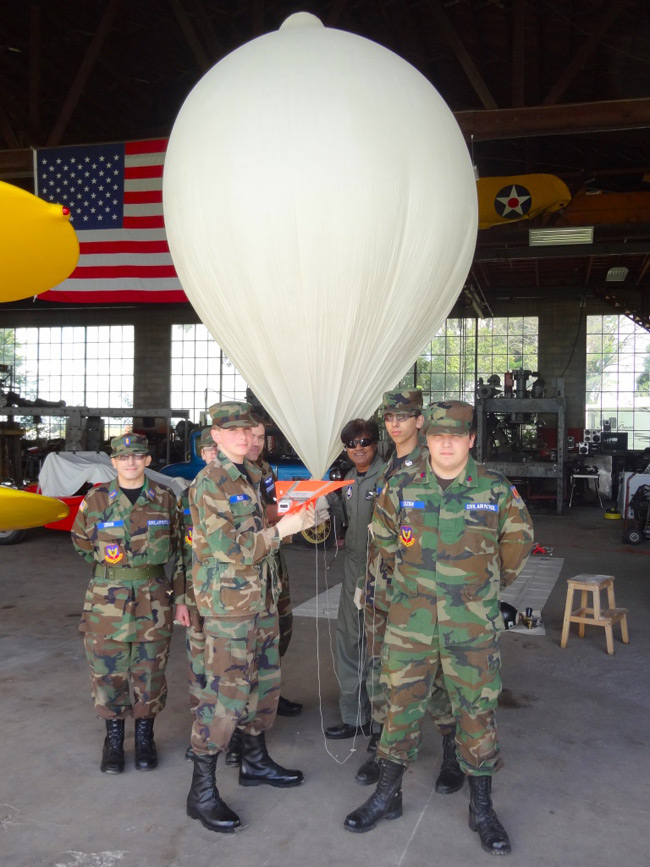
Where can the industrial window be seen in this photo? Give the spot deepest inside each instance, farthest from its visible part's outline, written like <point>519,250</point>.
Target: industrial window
<point>465,349</point>
<point>618,378</point>
<point>200,372</point>
<point>83,365</point>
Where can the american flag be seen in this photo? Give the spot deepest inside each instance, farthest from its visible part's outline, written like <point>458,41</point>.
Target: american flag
<point>114,193</point>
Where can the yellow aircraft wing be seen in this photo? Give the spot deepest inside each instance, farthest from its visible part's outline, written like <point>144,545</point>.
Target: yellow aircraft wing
<point>519,197</point>
<point>38,246</point>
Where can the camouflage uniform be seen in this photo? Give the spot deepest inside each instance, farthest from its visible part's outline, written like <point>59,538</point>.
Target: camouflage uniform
<point>449,552</point>
<point>236,587</point>
<point>194,635</point>
<point>354,508</point>
<point>127,614</point>
<point>397,473</point>
<point>285,611</point>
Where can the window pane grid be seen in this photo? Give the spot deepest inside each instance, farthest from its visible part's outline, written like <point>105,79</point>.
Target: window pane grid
<point>465,349</point>
<point>69,364</point>
<point>201,374</point>
<point>618,377</point>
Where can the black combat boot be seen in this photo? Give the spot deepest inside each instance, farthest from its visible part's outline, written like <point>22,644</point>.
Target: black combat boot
<point>113,752</point>
<point>368,773</point>
<point>204,802</point>
<point>233,752</point>
<point>257,766</point>
<point>146,757</point>
<point>375,737</point>
<point>483,819</point>
<point>288,708</point>
<point>384,803</point>
<point>451,778</point>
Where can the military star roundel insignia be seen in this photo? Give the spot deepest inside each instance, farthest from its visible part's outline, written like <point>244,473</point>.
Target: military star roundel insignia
<point>512,202</point>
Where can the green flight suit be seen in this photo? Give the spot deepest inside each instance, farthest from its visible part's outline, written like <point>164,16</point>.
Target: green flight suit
<point>354,508</point>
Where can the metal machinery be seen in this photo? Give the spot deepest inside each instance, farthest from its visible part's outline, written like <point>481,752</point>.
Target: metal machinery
<point>84,427</point>
<point>510,432</point>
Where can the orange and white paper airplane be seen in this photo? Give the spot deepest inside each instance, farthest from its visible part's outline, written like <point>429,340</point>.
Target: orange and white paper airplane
<point>293,495</point>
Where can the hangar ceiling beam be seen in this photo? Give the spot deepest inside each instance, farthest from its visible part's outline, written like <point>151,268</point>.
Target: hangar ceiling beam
<point>35,65</point>
<point>202,59</point>
<point>83,74</point>
<point>549,120</point>
<point>462,55</point>
<point>518,52</point>
<point>561,251</point>
<point>584,52</point>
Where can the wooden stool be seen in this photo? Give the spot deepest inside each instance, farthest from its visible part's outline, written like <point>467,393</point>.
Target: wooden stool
<point>594,616</point>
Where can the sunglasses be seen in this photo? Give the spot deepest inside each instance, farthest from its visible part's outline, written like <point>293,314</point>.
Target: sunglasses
<point>124,458</point>
<point>360,441</point>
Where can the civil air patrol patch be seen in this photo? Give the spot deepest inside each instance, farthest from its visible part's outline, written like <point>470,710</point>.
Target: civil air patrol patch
<point>481,507</point>
<point>406,536</point>
<point>113,554</point>
<point>188,536</point>
<point>239,498</point>
<point>411,504</point>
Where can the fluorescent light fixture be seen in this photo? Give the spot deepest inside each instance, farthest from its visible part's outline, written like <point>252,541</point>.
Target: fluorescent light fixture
<point>617,275</point>
<point>569,235</point>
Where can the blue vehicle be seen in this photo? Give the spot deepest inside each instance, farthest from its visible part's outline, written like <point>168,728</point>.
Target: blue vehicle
<point>187,469</point>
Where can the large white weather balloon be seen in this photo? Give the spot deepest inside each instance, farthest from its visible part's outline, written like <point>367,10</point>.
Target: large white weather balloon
<point>321,211</point>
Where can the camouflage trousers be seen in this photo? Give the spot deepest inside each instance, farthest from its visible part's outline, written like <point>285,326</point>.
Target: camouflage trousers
<point>285,612</point>
<point>195,646</point>
<point>127,678</point>
<point>472,679</point>
<point>439,709</point>
<point>242,680</point>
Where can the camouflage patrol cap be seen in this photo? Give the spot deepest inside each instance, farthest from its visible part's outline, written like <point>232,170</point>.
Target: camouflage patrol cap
<point>403,401</point>
<point>206,441</point>
<point>129,444</point>
<point>232,414</point>
<point>455,417</point>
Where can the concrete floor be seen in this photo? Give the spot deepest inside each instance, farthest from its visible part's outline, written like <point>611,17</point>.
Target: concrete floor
<point>573,727</point>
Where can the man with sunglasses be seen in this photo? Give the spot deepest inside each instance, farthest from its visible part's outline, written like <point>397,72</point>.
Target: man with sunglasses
<point>403,419</point>
<point>354,507</point>
<point>129,529</point>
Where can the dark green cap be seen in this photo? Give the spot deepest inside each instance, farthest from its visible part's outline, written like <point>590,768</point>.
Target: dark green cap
<point>206,441</point>
<point>453,417</point>
<point>232,414</point>
<point>129,444</point>
<point>403,401</point>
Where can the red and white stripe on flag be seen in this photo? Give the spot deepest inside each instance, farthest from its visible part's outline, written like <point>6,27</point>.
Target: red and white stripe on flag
<point>114,192</point>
